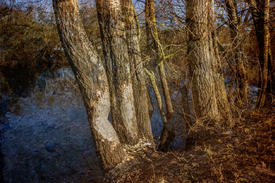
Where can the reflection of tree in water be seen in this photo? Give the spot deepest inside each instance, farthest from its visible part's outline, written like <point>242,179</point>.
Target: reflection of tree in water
<point>21,76</point>
<point>28,47</point>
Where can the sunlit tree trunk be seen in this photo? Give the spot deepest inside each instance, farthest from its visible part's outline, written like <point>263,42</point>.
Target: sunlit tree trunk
<point>237,52</point>
<point>92,80</point>
<point>137,71</point>
<point>115,50</point>
<point>260,13</point>
<point>220,92</point>
<point>208,90</point>
<point>153,39</point>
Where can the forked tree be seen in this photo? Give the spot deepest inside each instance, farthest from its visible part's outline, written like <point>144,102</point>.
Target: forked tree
<point>101,88</point>
<point>119,84</point>
<point>124,70</point>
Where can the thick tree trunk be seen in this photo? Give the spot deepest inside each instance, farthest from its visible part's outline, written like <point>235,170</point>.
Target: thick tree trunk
<point>236,38</point>
<point>117,62</point>
<point>260,13</point>
<point>137,71</point>
<point>204,68</point>
<point>92,80</point>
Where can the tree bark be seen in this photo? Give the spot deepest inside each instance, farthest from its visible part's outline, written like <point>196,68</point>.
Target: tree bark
<point>208,90</point>
<point>236,38</point>
<point>137,71</point>
<point>260,13</point>
<point>221,95</point>
<point>117,63</point>
<point>186,107</point>
<point>92,80</point>
<point>153,39</point>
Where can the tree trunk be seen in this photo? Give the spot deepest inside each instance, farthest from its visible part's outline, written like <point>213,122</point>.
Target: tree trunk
<point>221,95</point>
<point>260,13</point>
<point>208,88</point>
<point>92,80</point>
<point>152,36</point>
<point>137,71</point>
<point>117,63</point>
<point>236,38</point>
<point>186,107</point>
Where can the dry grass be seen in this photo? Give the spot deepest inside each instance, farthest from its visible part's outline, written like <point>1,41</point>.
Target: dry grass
<point>245,153</point>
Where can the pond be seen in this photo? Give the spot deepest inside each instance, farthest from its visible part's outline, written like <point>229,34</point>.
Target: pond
<point>46,135</point>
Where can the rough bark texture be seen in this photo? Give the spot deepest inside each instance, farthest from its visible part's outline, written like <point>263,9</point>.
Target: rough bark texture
<point>221,95</point>
<point>260,13</point>
<point>117,63</point>
<point>237,53</point>
<point>92,80</point>
<point>208,89</point>
<point>137,71</point>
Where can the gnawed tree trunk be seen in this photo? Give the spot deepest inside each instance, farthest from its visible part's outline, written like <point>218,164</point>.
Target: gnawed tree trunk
<point>153,40</point>
<point>137,71</point>
<point>260,13</point>
<point>237,53</point>
<point>205,73</point>
<point>117,63</point>
<point>92,80</point>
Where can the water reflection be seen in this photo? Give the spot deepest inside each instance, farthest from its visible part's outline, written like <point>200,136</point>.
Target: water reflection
<point>46,135</point>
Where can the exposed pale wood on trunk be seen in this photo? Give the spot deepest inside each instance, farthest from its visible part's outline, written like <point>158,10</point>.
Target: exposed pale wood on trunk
<point>137,71</point>
<point>117,63</point>
<point>92,80</point>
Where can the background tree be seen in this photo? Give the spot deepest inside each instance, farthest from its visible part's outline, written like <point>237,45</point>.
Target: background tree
<point>260,13</point>
<point>159,56</point>
<point>238,55</point>
<point>208,91</point>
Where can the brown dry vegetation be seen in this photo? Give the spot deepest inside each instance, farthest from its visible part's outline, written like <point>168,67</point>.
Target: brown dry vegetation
<point>244,153</point>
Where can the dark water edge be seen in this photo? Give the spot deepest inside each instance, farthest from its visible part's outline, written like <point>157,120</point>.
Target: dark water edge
<point>3,110</point>
<point>53,108</point>
<point>1,160</point>
<point>44,139</point>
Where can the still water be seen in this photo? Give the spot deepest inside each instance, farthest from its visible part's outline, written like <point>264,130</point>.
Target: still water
<point>46,136</point>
